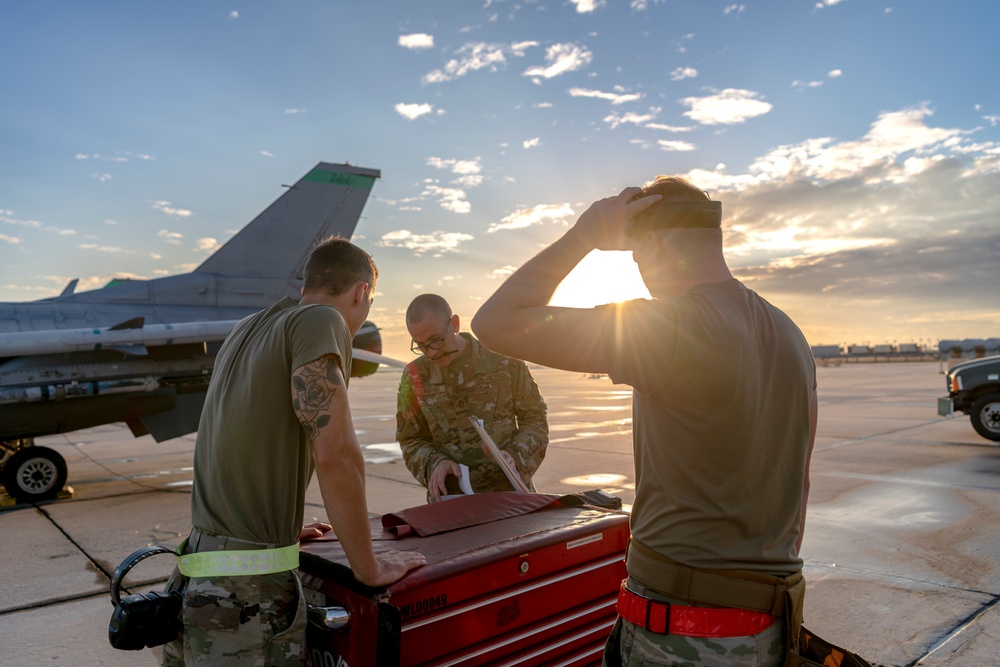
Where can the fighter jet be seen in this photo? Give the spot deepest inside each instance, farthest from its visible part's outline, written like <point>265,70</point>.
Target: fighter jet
<point>142,351</point>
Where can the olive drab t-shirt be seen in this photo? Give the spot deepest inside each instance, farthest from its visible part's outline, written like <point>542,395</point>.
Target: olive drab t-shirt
<point>721,382</point>
<point>252,460</point>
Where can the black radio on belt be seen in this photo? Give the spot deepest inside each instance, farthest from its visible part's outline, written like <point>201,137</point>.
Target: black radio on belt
<point>143,619</point>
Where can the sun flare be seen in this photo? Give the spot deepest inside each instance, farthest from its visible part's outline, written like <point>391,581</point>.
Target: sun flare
<point>602,277</point>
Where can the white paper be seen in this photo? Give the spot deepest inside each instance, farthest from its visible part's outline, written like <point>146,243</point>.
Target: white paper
<point>463,480</point>
<point>501,460</point>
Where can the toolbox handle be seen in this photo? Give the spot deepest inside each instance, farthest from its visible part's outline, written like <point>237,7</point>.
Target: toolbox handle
<point>328,618</point>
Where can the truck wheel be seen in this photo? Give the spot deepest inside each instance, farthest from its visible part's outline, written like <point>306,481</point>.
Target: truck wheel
<point>985,416</point>
<point>34,473</point>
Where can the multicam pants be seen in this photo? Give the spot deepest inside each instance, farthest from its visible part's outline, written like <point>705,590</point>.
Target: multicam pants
<point>252,621</point>
<point>632,646</point>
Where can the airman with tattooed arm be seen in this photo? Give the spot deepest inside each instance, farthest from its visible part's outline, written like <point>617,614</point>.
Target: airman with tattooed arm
<point>319,397</point>
<point>275,411</point>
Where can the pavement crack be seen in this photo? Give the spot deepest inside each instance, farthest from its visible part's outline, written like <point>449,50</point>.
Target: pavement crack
<point>872,436</point>
<point>76,544</point>
<point>955,631</point>
<point>871,572</point>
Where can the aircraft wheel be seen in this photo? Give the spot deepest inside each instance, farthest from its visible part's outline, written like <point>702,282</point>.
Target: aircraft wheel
<point>985,416</point>
<point>34,473</point>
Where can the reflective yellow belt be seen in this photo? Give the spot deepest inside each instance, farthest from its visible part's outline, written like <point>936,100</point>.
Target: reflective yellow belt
<point>238,563</point>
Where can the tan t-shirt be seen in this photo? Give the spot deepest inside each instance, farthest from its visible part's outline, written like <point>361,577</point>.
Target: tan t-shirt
<point>721,383</point>
<point>252,460</point>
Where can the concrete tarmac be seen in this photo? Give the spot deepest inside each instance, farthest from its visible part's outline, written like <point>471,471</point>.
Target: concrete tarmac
<point>902,555</point>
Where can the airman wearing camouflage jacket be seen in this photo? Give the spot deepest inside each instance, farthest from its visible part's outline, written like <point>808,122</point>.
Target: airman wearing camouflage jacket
<point>433,409</point>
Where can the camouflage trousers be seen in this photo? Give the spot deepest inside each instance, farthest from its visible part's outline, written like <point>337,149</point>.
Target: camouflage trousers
<point>632,646</point>
<point>251,621</point>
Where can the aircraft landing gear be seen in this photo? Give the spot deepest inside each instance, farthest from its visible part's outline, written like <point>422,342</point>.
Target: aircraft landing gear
<point>33,473</point>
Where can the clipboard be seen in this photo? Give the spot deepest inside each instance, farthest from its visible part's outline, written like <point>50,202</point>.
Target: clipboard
<point>512,476</point>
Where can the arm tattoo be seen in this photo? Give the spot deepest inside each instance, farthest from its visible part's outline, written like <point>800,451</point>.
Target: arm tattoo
<point>313,387</point>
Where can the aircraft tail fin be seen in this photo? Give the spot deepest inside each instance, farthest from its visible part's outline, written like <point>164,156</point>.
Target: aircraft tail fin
<point>325,202</point>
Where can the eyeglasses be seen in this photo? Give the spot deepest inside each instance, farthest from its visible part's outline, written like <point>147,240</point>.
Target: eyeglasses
<point>435,343</point>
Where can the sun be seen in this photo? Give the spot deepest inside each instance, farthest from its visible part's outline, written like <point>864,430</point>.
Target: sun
<point>601,277</point>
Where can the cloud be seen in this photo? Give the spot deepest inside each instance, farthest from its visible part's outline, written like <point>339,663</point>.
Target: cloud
<point>413,111</point>
<point>10,240</point>
<point>532,143</point>
<point>474,57</point>
<point>502,272</point>
<point>806,84</point>
<point>98,156</point>
<point>118,156</point>
<point>450,199</point>
<point>616,119</point>
<point>456,166</point>
<point>526,217</point>
<point>102,248</point>
<point>468,177</point>
<point>734,9</point>
<point>173,238</point>
<point>728,107</point>
<point>561,58</point>
<point>668,128</point>
<point>7,217</point>
<point>416,41</point>
<point>103,178</point>
<point>833,74</point>
<point>469,181</point>
<point>891,136</point>
<point>234,15</point>
<point>904,268</point>
<point>436,242</point>
<point>168,208</point>
<point>587,6</point>
<point>863,234</point>
<point>206,244</point>
<point>681,73</point>
<point>675,145</point>
<point>614,98</point>
<point>294,111</point>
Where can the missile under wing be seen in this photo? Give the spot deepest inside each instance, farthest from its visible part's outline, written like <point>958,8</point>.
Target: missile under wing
<point>142,351</point>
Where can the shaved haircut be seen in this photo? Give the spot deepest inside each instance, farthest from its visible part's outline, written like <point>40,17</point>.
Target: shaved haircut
<point>427,304</point>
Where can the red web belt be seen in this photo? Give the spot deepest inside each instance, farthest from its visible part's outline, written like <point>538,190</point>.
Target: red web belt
<point>672,619</point>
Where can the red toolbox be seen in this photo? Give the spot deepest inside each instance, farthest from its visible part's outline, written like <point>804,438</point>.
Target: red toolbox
<point>510,579</point>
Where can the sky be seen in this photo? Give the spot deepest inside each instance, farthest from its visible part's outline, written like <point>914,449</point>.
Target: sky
<point>854,144</point>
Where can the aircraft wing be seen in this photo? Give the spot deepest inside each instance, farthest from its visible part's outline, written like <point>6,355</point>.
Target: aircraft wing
<point>372,357</point>
<point>151,377</point>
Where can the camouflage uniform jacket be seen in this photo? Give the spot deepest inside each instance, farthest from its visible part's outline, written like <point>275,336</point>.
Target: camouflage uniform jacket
<point>433,409</point>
